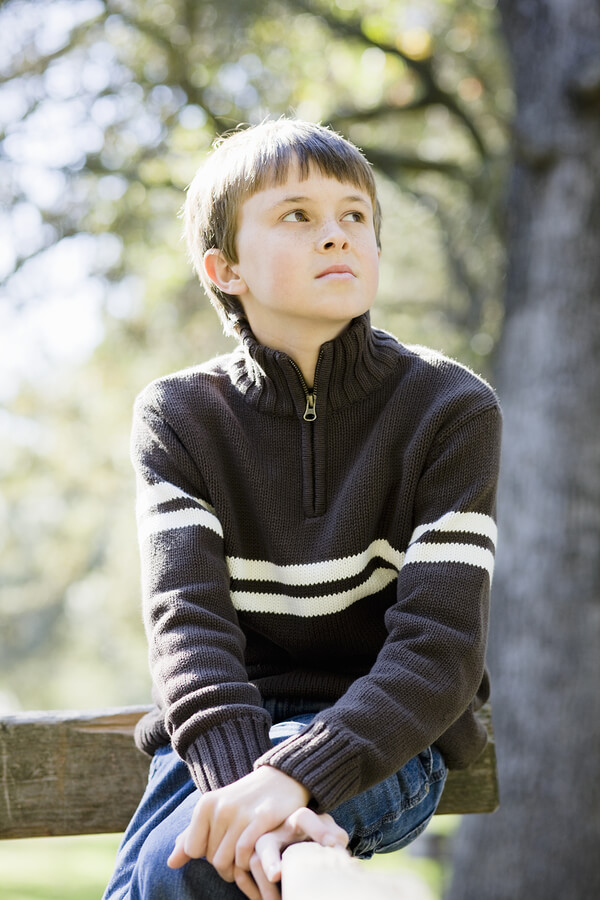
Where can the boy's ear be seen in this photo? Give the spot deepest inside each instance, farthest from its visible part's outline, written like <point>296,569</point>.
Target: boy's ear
<point>222,273</point>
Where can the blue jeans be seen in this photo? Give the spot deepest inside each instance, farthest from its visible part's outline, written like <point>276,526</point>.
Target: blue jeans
<point>384,818</point>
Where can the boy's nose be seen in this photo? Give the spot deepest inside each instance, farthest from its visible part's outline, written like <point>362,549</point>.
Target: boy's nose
<point>333,237</point>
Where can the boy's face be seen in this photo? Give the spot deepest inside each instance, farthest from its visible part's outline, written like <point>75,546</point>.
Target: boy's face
<point>308,259</point>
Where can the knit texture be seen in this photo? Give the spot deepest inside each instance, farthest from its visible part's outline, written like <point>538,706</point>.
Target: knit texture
<point>345,560</point>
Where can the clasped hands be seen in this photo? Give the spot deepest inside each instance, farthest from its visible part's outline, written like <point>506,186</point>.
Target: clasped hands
<point>243,828</point>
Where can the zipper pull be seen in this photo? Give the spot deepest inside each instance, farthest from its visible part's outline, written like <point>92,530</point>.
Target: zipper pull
<point>310,413</point>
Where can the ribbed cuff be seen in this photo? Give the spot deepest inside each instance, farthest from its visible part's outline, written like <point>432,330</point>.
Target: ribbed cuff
<point>227,752</point>
<point>325,763</point>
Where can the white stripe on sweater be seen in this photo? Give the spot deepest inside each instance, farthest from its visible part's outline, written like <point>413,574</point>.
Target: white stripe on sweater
<point>468,554</point>
<point>349,566</point>
<point>313,573</point>
<point>471,523</point>
<point>307,607</point>
<point>327,571</point>
<point>163,492</point>
<point>151,521</point>
<point>180,518</point>
<point>199,513</point>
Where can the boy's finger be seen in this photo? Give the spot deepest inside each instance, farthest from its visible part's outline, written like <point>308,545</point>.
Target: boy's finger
<point>304,824</point>
<point>246,884</point>
<point>247,841</point>
<point>178,855</point>
<point>198,831</point>
<point>323,829</point>
<point>223,855</point>
<point>268,850</point>
<point>268,891</point>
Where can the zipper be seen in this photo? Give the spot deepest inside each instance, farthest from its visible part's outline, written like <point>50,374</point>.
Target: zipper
<point>310,413</point>
<point>313,488</point>
<point>310,410</point>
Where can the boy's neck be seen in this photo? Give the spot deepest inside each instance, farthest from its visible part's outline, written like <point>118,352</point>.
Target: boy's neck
<point>302,345</point>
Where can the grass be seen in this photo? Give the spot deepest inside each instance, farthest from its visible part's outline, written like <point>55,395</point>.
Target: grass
<point>61,868</point>
<point>78,868</point>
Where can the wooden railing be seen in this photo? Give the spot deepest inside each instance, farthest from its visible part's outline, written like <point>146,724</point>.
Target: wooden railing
<point>68,773</point>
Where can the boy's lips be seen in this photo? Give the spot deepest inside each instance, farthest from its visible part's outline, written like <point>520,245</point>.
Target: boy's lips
<point>336,270</point>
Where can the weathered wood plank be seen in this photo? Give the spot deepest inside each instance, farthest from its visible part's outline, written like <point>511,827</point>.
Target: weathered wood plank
<point>80,773</point>
<point>69,773</point>
<point>474,790</point>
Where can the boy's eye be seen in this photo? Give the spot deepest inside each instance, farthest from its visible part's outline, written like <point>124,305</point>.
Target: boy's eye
<point>295,216</point>
<point>354,216</point>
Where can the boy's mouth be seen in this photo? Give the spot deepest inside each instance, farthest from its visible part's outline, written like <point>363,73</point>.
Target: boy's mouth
<point>336,270</point>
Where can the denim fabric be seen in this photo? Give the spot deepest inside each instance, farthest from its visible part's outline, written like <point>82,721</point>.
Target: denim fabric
<point>390,814</point>
<point>382,819</point>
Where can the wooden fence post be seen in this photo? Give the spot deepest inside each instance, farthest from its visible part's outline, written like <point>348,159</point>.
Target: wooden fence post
<point>312,872</point>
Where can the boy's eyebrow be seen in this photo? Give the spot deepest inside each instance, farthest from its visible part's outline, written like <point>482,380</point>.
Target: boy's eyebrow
<point>351,198</point>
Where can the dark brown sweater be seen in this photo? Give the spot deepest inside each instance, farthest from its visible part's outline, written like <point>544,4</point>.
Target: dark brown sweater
<point>345,559</point>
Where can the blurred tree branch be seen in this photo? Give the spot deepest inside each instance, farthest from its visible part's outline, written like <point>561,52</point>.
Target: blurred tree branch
<point>432,92</point>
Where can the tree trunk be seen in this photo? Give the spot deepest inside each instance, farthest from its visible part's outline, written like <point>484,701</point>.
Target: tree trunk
<point>544,842</point>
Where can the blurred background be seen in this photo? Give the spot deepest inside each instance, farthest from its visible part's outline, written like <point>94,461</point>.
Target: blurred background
<point>482,121</point>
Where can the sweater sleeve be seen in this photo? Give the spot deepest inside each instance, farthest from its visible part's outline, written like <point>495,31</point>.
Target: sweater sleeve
<point>212,713</point>
<point>431,665</point>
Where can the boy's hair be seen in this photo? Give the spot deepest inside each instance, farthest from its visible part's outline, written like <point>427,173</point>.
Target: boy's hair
<point>246,161</point>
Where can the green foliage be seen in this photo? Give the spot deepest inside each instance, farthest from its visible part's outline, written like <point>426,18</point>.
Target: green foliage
<point>106,109</point>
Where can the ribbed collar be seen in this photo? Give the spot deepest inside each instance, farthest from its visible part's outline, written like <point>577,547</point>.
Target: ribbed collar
<point>349,367</point>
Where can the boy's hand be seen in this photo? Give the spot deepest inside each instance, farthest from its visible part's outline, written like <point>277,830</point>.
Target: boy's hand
<point>265,863</point>
<point>227,823</point>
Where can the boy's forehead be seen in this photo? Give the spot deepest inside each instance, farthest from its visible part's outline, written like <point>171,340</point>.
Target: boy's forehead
<point>299,184</point>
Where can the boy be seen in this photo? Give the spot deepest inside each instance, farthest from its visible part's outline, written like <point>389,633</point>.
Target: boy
<point>316,515</point>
